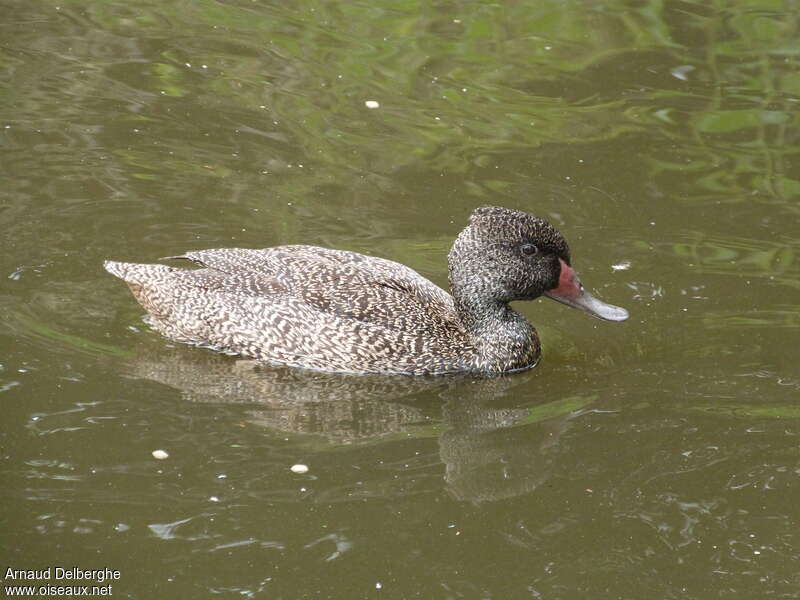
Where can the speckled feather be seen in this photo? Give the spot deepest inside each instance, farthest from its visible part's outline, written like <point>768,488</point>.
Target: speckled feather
<point>336,310</point>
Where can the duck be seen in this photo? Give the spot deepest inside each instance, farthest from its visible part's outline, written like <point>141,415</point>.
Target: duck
<point>342,311</point>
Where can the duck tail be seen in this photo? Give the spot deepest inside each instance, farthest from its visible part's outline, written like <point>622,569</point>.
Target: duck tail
<point>134,272</point>
<point>119,269</point>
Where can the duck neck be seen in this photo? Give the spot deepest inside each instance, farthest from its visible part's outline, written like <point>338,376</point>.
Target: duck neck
<point>503,338</point>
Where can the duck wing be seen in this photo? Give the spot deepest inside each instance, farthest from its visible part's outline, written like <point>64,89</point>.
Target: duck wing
<point>348,284</point>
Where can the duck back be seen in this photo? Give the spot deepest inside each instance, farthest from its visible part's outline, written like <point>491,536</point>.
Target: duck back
<point>304,306</point>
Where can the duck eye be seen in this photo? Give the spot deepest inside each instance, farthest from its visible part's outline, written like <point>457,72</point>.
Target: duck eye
<point>529,249</point>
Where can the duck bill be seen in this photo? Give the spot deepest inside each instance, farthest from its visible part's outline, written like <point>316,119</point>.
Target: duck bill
<point>570,292</point>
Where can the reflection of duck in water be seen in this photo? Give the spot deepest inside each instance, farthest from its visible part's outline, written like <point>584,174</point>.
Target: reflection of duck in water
<point>338,407</point>
<point>491,451</point>
<point>341,311</point>
<point>491,441</point>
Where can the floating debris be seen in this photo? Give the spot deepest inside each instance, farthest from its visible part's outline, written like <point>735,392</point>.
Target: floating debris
<point>160,454</point>
<point>622,266</point>
<point>300,469</point>
<point>682,72</point>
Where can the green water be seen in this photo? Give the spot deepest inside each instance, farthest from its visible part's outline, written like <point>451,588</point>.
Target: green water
<point>654,459</point>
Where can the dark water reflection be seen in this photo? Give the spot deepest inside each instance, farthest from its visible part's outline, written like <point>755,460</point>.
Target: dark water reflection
<point>490,451</point>
<point>656,459</point>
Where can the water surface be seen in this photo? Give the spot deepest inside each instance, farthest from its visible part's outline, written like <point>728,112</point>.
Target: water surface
<point>654,459</point>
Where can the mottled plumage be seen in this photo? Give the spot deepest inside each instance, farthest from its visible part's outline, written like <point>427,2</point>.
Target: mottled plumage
<point>336,310</point>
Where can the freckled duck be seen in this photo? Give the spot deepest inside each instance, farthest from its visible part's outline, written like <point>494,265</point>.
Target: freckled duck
<point>336,310</point>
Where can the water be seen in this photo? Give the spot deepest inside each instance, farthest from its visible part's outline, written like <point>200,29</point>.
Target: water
<point>652,459</point>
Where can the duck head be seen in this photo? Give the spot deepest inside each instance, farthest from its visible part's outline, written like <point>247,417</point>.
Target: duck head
<point>505,255</point>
